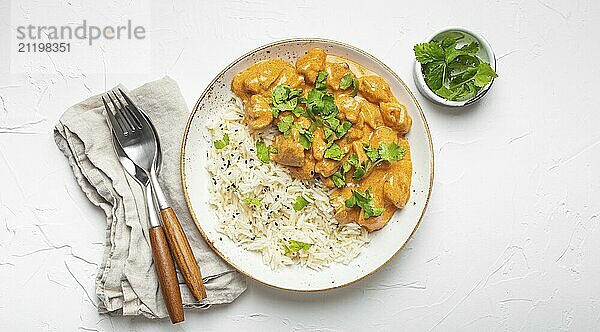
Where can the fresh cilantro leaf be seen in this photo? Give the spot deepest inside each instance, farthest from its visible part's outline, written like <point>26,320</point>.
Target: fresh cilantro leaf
<point>471,48</point>
<point>295,246</point>
<point>346,166</point>
<point>262,152</point>
<point>332,122</point>
<point>354,88</point>
<point>342,129</point>
<point>448,42</point>
<point>283,98</point>
<point>429,52</point>
<point>372,153</point>
<point>252,201</point>
<point>364,200</point>
<point>219,144</point>
<point>353,160</point>
<point>272,149</point>
<point>338,128</point>
<point>301,202</point>
<point>444,92</point>
<point>338,179</point>
<point>346,81</point>
<point>391,152</point>
<point>280,94</point>
<point>320,81</point>
<point>434,75</point>
<point>374,211</point>
<point>274,112</point>
<point>461,63</point>
<point>304,142</point>
<point>386,152</point>
<point>484,75</point>
<point>359,172</point>
<point>334,152</point>
<point>468,49</point>
<point>285,124</point>
<point>351,202</point>
<point>328,134</point>
<point>305,138</point>
<point>329,107</point>
<point>299,112</point>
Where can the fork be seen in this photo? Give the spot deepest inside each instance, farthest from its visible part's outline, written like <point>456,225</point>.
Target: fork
<point>140,128</point>
<point>126,139</point>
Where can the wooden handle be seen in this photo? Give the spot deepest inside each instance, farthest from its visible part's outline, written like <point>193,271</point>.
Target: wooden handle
<point>167,277</point>
<point>183,253</point>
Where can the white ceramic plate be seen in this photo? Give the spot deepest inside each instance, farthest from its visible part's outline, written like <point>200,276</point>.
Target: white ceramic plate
<point>384,243</point>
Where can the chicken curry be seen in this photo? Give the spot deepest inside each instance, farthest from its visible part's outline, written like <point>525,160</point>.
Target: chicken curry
<point>339,123</point>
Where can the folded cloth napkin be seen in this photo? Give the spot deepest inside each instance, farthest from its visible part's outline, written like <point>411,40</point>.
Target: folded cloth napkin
<point>127,282</point>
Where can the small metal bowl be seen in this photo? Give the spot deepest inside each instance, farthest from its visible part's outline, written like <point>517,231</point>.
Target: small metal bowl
<point>485,53</point>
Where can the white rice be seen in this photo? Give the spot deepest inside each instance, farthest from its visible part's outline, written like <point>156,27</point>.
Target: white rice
<point>236,174</point>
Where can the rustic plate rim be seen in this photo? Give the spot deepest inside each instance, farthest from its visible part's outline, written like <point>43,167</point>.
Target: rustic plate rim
<point>196,109</point>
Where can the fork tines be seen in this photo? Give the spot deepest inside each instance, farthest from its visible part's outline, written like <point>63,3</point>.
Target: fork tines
<point>124,115</point>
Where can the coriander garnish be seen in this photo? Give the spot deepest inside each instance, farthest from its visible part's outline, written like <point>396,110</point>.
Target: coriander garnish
<point>252,201</point>
<point>295,246</point>
<point>263,151</point>
<point>364,200</point>
<point>283,98</point>
<point>285,124</point>
<point>453,73</point>
<point>347,81</point>
<point>334,152</point>
<point>301,202</point>
<point>219,144</point>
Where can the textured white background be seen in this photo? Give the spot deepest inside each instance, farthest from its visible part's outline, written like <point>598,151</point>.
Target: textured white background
<point>510,240</point>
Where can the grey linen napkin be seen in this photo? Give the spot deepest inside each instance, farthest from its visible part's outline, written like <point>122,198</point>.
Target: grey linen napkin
<point>126,282</point>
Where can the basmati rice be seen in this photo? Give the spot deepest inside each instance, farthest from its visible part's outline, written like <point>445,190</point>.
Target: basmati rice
<point>268,227</point>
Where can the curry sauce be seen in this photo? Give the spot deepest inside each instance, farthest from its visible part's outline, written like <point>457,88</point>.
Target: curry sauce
<point>339,123</point>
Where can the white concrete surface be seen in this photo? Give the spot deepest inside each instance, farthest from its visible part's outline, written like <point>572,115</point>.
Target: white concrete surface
<point>510,240</point>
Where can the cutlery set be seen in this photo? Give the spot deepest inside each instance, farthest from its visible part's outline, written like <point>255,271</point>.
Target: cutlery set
<point>137,146</point>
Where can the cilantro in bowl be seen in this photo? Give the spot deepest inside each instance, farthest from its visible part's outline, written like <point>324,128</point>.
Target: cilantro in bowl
<point>452,68</point>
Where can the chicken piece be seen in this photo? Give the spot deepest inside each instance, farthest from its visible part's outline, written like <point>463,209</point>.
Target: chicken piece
<point>327,167</point>
<point>372,224</point>
<point>258,114</point>
<point>375,89</point>
<point>311,63</point>
<point>306,171</point>
<point>396,188</point>
<point>345,145</point>
<point>303,122</point>
<point>335,72</point>
<point>349,107</point>
<point>395,116</point>
<point>360,151</point>
<point>342,214</point>
<point>319,144</point>
<point>289,151</point>
<point>371,114</point>
<point>354,134</point>
<point>328,183</point>
<point>262,77</point>
<point>382,134</point>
